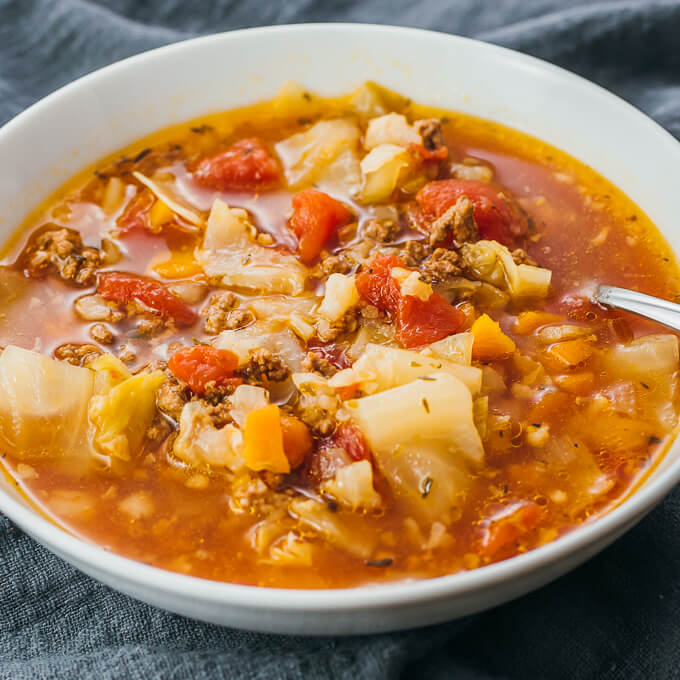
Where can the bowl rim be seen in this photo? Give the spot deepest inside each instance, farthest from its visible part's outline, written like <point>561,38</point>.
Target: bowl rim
<point>389,594</point>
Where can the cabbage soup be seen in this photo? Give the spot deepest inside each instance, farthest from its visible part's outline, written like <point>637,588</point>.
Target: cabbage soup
<point>320,343</point>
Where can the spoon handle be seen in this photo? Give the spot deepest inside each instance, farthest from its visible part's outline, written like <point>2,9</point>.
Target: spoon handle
<point>663,311</point>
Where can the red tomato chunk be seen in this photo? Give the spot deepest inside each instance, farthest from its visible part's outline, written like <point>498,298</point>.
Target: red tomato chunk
<point>352,440</point>
<point>419,322</point>
<point>245,166</point>
<point>498,217</point>
<point>197,366</point>
<point>136,213</point>
<point>510,526</point>
<point>315,218</point>
<point>128,288</point>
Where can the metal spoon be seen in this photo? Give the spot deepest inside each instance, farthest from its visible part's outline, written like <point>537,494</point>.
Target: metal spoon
<point>663,311</point>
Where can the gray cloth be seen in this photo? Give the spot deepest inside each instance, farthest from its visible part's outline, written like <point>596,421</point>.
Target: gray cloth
<point>616,617</point>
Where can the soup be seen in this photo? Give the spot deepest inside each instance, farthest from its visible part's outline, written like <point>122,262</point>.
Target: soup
<point>332,342</point>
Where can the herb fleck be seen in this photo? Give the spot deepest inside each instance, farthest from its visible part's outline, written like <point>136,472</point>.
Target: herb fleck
<point>645,385</point>
<point>142,154</point>
<point>426,405</point>
<point>386,562</point>
<point>654,440</point>
<point>427,377</point>
<point>427,487</point>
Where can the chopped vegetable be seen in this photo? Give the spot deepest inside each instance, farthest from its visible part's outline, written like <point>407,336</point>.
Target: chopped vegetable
<point>121,287</point>
<point>353,486</point>
<point>121,416</point>
<point>498,217</point>
<point>169,200</point>
<point>231,255</point>
<point>307,154</point>
<point>315,218</point>
<point>43,406</point>
<point>244,166</point>
<point>418,322</point>
<point>489,340</point>
<point>201,365</point>
<point>263,440</point>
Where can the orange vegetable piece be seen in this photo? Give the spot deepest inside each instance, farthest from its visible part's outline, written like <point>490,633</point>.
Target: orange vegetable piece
<point>569,353</point>
<point>508,529</point>
<point>297,440</point>
<point>489,340</point>
<point>315,218</point>
<point>263,440</point>
<point>576,383</point>
<point>528,322</point>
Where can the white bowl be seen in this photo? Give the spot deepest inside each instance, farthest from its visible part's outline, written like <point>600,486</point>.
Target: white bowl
<point>52,140</point>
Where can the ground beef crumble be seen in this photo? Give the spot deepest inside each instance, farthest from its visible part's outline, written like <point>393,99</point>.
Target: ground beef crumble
<point>441,266</point>
<point>457,222</point>
<point>414,252</point>
<point>263,366</point>
<point>100,333</point>
<point>222,314</point>
<point>430,130</point>
<point>77,354</point>
<point>315,363</point>
<point>62,251</point>
<point>327,331</point>
<point>171,397</point>
<point>383,231</point>
<point>522,257</point>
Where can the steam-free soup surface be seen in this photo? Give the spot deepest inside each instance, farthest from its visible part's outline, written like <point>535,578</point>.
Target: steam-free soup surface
<point>324,343</point>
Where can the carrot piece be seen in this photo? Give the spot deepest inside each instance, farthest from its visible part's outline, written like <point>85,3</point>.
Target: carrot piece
<point>159,215</point>
<point>528,322</point>
<point>180,265</point>
<point>569,354</point>
<point>263,440</point>
<point>489,340</point>
<point>576,383</point>
<point>297,440</point>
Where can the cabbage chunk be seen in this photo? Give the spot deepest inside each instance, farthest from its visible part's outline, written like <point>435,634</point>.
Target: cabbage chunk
<point>392,128</point>
<point>383,167</point>
<point>121,416</point>
<point>352,486</point>
<point>424,440</point>
<point>381,368</point>
<point>307,154</point>
<point>492,262</point>
<point>200,443</point>
<point>166,196</point>
<point>43,405</point>
<point>231,255</point>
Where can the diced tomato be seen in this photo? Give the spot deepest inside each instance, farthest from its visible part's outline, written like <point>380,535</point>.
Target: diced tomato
<point>497,216</point>
<point>136,213</point>
<point>376,284</point>
<point>345,446</point>
<point>351,439</point>
<point>202,364</point>
<point>315,218</point>
<point>429,155</point>
<point>421,322</point>
<point>245,166</point>
<point>129,288</point>
<point>418,322</point>
<point>509,526</point>
<point>331,352</point>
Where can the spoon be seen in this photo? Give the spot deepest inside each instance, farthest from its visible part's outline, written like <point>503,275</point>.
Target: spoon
<point>663,311</point>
